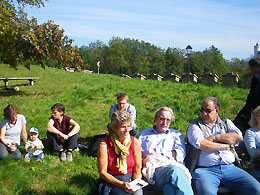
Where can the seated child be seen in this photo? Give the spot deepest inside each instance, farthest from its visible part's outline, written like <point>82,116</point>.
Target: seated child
<point>34,146</point>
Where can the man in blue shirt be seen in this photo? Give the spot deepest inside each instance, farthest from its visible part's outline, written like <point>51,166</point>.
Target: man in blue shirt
<point>122,104</point>
<point>215,164</point>
<point>164,141</point>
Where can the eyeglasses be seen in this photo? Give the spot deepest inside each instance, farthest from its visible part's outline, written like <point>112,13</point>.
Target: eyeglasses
<point>206,110</point>
<point>165,119</point>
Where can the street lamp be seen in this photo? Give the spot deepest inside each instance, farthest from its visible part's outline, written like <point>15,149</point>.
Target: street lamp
<point>188,52</point>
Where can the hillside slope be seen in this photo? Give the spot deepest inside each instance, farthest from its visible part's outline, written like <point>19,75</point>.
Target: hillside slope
<point>87,98</point>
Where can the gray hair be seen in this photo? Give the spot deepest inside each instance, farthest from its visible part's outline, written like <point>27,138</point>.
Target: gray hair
<point>213,99</point>
<point>160,110</point>
<point>256,112</point>
<point>119,117</point>
<point>121,96</point>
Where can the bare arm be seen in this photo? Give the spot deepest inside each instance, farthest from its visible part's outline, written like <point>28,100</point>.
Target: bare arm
<point>210,146</point>
<point>138,160</point>
<point>24,134</point>
<point>52,129</point>
<point>229,138</point>
<point>102,168</point>
<point>2,136</point>
<point>75,129</point>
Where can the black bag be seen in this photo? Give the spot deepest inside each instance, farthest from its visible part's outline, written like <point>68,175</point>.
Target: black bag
<point>101,188</point>
<point>257,164</point>
<point>95,143</point>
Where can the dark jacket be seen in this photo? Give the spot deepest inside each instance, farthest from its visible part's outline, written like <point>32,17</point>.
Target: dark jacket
<point>252,101</point>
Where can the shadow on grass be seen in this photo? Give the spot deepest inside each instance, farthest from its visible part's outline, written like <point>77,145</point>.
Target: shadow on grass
<point>47,147</point>
<point>57,193</point>
<point>82,180</point>
<point>90,141</point>
<point>5,92</point>
<point>28,192</point>
<point>34,192</point>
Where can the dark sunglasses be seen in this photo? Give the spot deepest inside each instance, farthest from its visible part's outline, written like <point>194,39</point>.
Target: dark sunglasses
<point>206,110</point>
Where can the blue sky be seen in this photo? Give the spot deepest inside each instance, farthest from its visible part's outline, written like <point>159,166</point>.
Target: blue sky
<point>230,25</point>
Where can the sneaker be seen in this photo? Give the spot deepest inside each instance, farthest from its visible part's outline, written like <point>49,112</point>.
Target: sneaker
<point>69,156</point>
<point>63,156</point>
<point>26,160</point>
<point>38,160</point>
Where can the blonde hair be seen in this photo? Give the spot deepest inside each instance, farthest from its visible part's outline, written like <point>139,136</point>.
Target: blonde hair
<point>160,110</point>
<point>255,113</point>
<point>119,117</point>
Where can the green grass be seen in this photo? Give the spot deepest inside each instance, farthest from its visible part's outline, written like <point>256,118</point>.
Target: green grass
<point>87,98</point>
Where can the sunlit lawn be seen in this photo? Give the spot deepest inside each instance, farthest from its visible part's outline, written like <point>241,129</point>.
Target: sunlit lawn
<point>87,98</point>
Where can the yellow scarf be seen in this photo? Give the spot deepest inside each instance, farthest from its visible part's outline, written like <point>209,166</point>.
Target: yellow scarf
<point>121,151</point>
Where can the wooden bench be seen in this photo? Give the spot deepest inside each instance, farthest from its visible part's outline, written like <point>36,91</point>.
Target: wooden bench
<point>30,79</point>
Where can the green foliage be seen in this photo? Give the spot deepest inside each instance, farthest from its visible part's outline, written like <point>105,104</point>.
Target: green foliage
<point>25,41</point>
<point>239,66</point>
<point>130,56</point>
<point>87,98</point>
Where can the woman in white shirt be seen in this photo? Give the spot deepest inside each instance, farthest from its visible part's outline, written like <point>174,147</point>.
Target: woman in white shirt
<point>11,128</point>
<point>252,142</point>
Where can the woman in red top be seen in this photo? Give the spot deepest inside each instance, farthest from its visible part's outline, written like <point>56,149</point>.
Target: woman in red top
<point>119,155</point>
<point>61,137</point>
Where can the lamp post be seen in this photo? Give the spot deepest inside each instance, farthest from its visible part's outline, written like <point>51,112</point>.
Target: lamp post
<point>188,52</point>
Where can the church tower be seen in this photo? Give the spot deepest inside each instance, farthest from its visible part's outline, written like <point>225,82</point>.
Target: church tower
<point>256,50</point>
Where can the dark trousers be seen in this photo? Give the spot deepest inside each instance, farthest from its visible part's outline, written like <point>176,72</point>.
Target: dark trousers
<point>56,144</point>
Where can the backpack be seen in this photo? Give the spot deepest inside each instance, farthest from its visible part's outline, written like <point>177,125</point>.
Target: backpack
<point>95,143</point>
<point>193,153</point>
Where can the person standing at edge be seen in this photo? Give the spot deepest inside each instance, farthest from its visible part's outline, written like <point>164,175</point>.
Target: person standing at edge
<point>253,98</point>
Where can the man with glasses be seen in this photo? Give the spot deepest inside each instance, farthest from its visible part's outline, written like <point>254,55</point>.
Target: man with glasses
<point>214,165</point>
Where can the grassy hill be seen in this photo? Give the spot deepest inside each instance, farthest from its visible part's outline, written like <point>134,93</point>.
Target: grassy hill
<point>87,98</point>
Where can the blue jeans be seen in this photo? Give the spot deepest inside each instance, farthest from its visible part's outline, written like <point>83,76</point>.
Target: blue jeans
<point>119,191</point>
<point>4,152</point>
<point>171,180</point>
<point>29,156</point>
<point>254,172</point>
<point>208,179</point>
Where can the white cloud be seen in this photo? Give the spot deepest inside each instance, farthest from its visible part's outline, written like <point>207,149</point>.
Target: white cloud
<point>230,25</point>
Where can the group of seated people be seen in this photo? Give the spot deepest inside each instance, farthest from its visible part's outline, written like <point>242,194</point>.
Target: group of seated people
<point>62,135</point>
<point>158,154</point>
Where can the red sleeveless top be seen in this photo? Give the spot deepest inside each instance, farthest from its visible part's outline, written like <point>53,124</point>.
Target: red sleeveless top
<point>111,167</point>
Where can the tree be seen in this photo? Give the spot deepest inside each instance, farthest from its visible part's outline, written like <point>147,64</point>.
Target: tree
<point>238,66</point>
<point>25,41</point>
<point>213,61</point>
<point>175,61</point>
